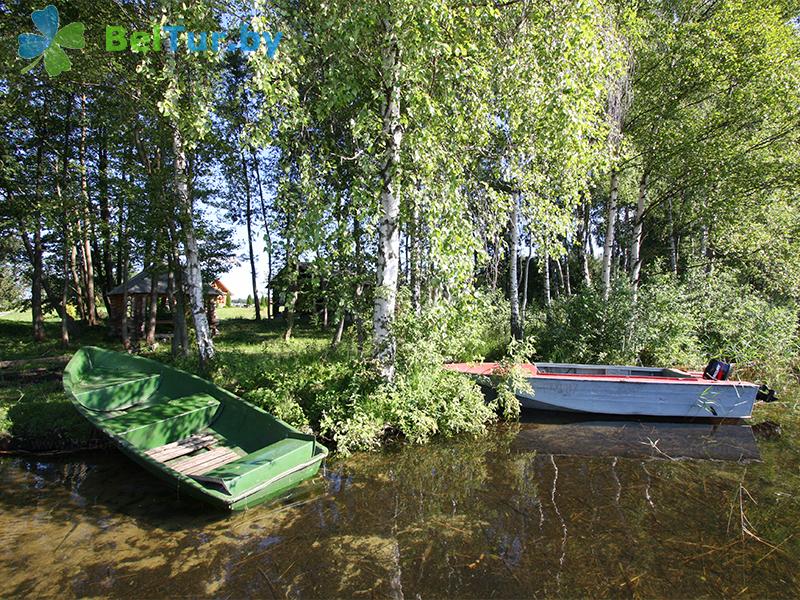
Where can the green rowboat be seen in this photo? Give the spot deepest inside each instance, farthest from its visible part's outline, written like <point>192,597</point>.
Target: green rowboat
<point>205,441</point>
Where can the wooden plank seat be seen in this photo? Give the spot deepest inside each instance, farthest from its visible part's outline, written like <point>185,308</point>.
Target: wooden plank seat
<point>182,447</point>
<point>205,462</point>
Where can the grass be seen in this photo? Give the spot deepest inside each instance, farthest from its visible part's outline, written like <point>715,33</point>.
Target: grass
<point>297,381</point>
<point>36,414</point>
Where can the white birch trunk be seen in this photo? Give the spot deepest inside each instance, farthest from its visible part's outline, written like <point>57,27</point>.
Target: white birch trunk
<point>636,243</point>
<point>608,247</point>
<point>513,282</point>
<point>389,232</point>
<point>673,247</point>
<point>586,250</point>
<point>194,283</point>
<point>547,294</point>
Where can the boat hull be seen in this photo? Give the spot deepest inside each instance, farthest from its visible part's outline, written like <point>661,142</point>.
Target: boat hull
<point>697,400</point>
<point>185,487</point>
<point>622,390</point>
<point>203,441</point>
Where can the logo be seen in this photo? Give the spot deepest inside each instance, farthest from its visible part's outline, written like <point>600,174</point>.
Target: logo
<point>51,43</point>
<point>203,41</point>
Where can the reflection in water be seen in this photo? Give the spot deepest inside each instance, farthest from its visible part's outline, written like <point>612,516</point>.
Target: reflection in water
<point>533,509</point>
<point>588,436</point>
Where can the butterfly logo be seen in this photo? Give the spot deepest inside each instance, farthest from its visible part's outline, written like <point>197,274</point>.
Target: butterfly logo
<point>50,42</point>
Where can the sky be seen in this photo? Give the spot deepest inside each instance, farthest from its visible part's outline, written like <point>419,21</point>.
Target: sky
<point>237,280</point>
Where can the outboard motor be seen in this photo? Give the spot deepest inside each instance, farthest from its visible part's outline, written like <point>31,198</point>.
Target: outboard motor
<point>766,394</point>
<point>717,370</point>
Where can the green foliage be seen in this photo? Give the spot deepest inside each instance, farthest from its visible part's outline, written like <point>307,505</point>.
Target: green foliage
<point>740,325</point>
<point>249,301</point>
<point>673,322</point>
<point>665,331</point>
<point>228,300</point>
<point>585,329</point>
<point>340,395</point>
<point>281,404</point>
<point>423,400</point>
<point>470,326</point>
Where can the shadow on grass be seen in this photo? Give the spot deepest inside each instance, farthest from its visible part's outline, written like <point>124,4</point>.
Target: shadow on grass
<point>16,340</point>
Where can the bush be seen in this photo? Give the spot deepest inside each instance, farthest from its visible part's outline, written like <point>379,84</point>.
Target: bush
<point>584,328</point>
<point>424,399</point>
<point>739,325</point>
<point>674,322</point>
<point>666,326</point>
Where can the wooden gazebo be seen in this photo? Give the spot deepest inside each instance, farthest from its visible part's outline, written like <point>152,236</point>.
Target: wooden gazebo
<point>223,289</point>
<point>139,289</point>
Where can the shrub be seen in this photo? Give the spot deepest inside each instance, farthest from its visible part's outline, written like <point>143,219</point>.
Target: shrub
<point>666,324</point>
<point>673,322</point>
<point>739,325</point>
<point>584,328</point>
<point>423,400</point>
<point>281,404</point>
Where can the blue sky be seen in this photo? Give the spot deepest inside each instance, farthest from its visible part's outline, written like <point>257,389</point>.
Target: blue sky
<point>237,279</point>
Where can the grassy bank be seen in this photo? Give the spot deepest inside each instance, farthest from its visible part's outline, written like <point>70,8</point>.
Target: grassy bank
<point>35,414</point>
<point>303,381</point>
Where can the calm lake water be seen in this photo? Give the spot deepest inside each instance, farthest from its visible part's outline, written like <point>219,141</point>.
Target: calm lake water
<point>535,509</point>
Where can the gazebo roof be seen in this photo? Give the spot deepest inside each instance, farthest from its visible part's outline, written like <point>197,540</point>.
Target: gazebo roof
<point>218,285</point>
<point>141,284</point>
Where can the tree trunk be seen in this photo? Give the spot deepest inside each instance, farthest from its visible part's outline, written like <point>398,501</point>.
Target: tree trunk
<point>673,247</point>
<point>153,311</point>
<point>608,247</point>
<point>526,280</point>
<point>292,294</point>
<point>389,239</point>
<point>586,250</point>
<point>636,243</point>
<point>171,299</point>
<point>495,263</point>
<point>38,252</point>
<point>76,279</point>
<point>65,287</point>
<point>291,305</point>
<point>265,216</point>
<point>513,282</point>
<point>547,295</point>
<point>180,335</point>
<point>194,284</point>
<point>65,257</point>
<point>414,266</point>
<point>567,285</point>
<point>105,219</point>
<point>88,264</point>
<point>337,337</point>
<point>249,219</point>
<point>561,287</point>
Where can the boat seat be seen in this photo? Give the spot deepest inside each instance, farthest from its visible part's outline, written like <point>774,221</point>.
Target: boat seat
<point>182,447</point>
<point>205,461</point>
<point>165,422</point>
<point>261,465</point>
<point>107,390</point>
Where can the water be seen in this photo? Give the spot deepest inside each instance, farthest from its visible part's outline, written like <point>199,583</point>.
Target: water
<point>533,509</point>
